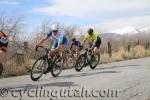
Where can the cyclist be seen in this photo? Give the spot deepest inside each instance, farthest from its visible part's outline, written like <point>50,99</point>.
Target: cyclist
<point>76,46</point>
<point>95,38</point>
<point>3,48</point>
<point>59,43</point>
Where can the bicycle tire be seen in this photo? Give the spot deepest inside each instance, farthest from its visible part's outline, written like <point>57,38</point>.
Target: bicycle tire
<point>42,72</point>
<point>71,61</point>
<point>79,66</point>
<point>92,58</point>
<point>55,64</point>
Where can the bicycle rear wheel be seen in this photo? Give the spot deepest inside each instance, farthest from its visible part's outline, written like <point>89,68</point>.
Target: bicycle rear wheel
<point>57,66</point>
<point>70,61</point>
<point>95,58</point>
<point>38,69</point>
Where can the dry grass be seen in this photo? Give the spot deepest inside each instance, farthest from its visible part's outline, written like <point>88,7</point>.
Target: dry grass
<point>122,54</point>
<point>11,69</point>
<point>138,52</point>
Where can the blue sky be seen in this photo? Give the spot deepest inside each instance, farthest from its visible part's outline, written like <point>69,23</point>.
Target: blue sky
<point>109,14</point>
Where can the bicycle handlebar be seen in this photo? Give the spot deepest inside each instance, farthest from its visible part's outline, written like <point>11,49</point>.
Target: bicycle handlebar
<point>47,49</point>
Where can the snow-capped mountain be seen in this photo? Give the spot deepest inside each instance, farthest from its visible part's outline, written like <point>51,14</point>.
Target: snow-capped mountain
<point>126,30</point>
<point>147,30</point>
<point>131,30</point>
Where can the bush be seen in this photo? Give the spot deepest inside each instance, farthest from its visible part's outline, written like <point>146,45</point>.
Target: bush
<point>138,51</point>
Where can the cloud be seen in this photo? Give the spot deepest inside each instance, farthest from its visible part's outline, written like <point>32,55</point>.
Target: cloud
<point>137,22</point>
<point>93,8</point>
<point>109,14</point>
<point>9,2</point>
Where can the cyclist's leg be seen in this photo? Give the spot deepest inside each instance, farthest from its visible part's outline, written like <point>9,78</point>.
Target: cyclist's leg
<point>64,46</point>
<point>53,46</point>
<point>2,54</point>
<point>3,50</point>
<point>78,52</point>
<point>63,50</point>
<point>96,50</point>
<point>97,46</point>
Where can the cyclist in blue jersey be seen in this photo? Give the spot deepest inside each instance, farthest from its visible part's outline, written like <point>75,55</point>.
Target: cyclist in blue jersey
<point>59,40</point>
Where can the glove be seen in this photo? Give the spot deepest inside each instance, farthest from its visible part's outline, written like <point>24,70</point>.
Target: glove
<point>89,49</point>
<point>36,47</point>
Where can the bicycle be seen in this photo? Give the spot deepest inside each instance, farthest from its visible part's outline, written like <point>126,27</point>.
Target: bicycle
<point>85,60</point>
<point>46,65</point>
<point>72,57</point>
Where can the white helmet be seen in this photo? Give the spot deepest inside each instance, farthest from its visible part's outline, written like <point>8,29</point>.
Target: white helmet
<point>54,27</point>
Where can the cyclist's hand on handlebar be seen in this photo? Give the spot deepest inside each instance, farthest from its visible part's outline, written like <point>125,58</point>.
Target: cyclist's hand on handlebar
<point>81,43</point>
<point>35,47</point>
<point>81,46</point>
<point>89,49</point>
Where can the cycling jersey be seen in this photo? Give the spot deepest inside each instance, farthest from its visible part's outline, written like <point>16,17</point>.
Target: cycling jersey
<point>75,44</point>
<point>94,37</point>
<point>1,34</point>
<point>3,41</point>
<point>58,39</point>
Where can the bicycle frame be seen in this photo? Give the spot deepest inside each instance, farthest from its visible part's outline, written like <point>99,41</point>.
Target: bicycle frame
<point>86,54</point>
<point>45,56</point>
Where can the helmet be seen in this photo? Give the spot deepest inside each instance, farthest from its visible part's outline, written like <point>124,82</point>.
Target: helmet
<point>90,30</point>
<point>73,39</point>
<point>54,27</point>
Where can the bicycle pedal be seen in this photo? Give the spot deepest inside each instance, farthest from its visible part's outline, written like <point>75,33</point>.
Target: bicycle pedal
<point>59,60</point>
<point>47,71</point>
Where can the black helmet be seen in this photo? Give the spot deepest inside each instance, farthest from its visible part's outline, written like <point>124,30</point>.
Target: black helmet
<point>90,30</point>
<point>73,39</point>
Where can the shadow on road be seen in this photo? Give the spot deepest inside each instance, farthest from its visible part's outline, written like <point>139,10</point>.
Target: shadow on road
<point>31,86</point>
<point>70,84</point>
<point>113,67</point>
<point>86,74</point>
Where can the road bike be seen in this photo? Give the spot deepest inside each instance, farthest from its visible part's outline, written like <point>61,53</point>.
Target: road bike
<point>87,57</point>
<point>44,65</point>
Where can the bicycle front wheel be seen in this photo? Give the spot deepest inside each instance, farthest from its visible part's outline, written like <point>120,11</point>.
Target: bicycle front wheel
<point>38,69</point>
<point>95,58</point>
<point>80,63</point>
<point>57,66</point>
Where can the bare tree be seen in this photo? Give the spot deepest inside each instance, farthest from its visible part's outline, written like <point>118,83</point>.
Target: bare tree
<point>10,24</point>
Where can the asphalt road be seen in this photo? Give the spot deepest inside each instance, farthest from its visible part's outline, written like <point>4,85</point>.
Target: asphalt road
<point>125,80</point>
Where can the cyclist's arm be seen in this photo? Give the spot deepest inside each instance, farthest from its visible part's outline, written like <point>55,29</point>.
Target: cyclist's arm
<point>42,40</point>
<point>83,41</point>
<point>71,46</point>
<point>49,34</point>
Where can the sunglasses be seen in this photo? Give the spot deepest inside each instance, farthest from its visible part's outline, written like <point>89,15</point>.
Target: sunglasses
<point>55,31</point>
